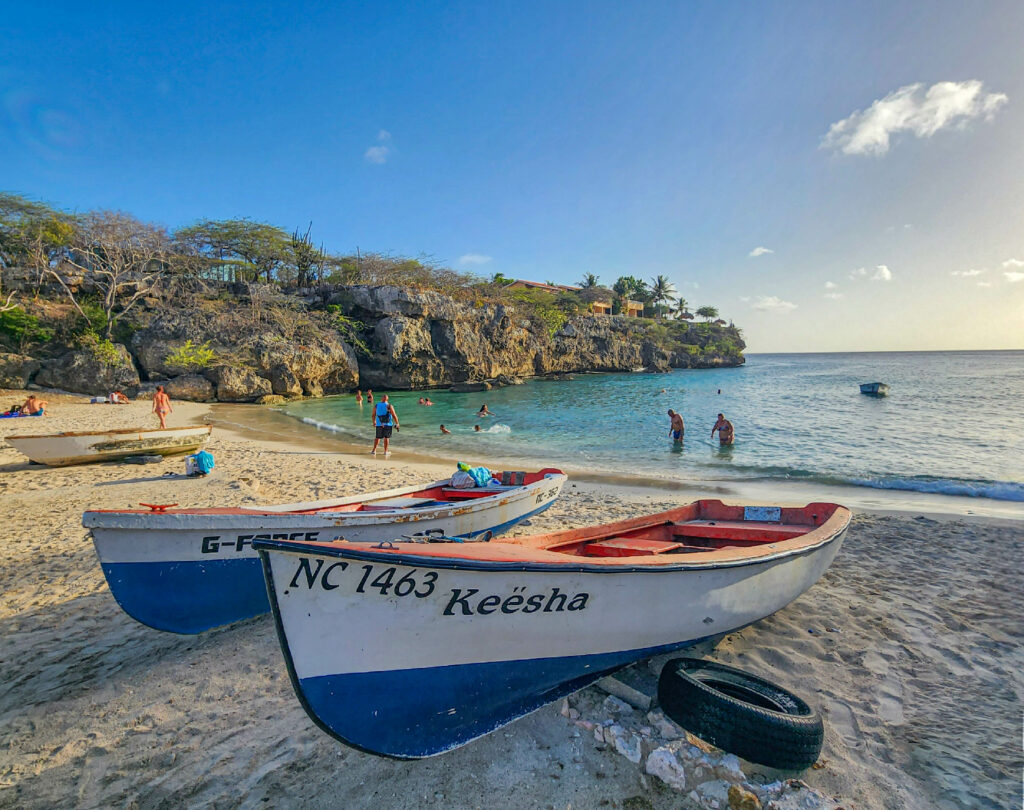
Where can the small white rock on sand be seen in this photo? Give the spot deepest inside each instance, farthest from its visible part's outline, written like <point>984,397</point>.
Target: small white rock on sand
<point>910,646</point>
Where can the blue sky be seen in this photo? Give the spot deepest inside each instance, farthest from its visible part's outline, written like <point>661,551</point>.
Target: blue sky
<point>546,140</point>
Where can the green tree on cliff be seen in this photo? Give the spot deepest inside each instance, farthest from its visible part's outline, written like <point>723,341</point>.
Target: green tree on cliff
<point>662,292</point>
<point>707,313</point>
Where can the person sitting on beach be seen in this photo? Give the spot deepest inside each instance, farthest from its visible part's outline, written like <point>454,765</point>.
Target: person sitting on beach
<point>384,419</point>
<point>162,406</point>
<point>34,406</point>
<point>118,398</point>
<point>484,411</point>
<point>445,431</point>
<point>676,427</point>
<point>726,434</point>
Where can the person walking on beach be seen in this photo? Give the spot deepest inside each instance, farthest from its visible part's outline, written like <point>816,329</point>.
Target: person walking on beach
<point>676,427</point>
<point>384,419</point>
<point>726,434</point>
<point>162,406</point>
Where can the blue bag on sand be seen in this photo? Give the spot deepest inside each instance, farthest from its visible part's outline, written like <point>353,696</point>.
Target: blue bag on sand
<point>480,475</point>
<point>202,463</point>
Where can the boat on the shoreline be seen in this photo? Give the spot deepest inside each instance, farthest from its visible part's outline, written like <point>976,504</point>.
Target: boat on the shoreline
<point>875,389</point>
<point>408,650</point>
<point>188,570</point>
<point>88,447</point>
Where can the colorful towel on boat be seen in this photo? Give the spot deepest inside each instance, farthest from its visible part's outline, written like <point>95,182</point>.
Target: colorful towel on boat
<point>481,475</point>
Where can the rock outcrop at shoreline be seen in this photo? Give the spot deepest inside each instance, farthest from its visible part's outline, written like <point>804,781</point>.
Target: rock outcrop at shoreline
<point>332,339</point>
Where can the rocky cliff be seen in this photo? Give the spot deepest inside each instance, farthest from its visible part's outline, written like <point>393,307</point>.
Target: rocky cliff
<point>334,339</point>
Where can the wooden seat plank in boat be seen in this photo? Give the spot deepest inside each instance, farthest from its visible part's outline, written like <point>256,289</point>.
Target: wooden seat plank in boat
<point>396,503</point>
<point>739,530</point>
<point>628,547</point>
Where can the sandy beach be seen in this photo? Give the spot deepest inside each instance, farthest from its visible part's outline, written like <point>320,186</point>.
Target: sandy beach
<point>911,646</point>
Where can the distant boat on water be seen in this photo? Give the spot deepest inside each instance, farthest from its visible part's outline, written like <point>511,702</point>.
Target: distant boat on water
<point>875,389</point>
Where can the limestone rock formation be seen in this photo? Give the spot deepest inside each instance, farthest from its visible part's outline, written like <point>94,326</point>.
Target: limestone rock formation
<point>86,371</point>
<point>16,370</point>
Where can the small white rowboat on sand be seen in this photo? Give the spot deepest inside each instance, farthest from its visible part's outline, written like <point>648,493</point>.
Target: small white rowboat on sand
<point>187,570</point>
<point>409,650</point>
<point>65,449</point>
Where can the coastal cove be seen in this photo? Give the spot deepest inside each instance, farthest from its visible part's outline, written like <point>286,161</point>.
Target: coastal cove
<point>943,441</point>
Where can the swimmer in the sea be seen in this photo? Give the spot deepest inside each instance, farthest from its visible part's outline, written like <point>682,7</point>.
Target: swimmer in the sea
<point>676,427</point>
<point>484,411</point>
<point>445,431</point>
<point>476,428</point>
<point>726,433</point>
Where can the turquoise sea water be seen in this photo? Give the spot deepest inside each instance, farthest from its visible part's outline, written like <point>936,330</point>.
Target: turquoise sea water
<point>953,423</point>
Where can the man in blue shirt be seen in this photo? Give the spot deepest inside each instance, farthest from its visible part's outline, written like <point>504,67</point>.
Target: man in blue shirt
<point>384,418</point>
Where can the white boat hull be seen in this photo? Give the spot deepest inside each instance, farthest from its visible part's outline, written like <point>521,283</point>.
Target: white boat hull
<point>456,654</point>
<point>185,573</point>
<point>66,449</point>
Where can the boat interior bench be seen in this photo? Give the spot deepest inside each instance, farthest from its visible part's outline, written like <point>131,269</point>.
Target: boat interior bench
<point>741,530</point>
<point>397,503</point>
<point>476,492</point>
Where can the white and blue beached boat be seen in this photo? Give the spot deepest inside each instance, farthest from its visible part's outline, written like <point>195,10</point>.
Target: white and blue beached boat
<point>409,649</point>
<point>187,570</point>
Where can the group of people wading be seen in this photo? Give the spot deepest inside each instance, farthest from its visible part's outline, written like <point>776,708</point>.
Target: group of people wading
<point>726,433</point>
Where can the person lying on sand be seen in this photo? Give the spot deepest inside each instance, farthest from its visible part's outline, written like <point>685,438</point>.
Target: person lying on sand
<point>726,433</point>
<point>445,431</point>
<point>676,427</point>
<point>34,406</point>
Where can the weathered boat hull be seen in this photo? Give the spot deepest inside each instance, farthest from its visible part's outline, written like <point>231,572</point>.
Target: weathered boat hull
<point>188,571</point>
<point>875,389</point>
<point>66,449</point>
<point>453,654</point>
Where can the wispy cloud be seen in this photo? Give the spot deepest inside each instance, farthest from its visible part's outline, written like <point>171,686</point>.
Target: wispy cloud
<point>835,296</point>
<point>881,273</point>
<point>912,109</point>
<point>984,283</point>
<point>830,285</point>
<point>760,250</point>
<point>381,152</point>
<point>1013,263</point>
<point>966,273</point>
<point>772,303</point>
<point>473,259</point>
<point>1013,276</point>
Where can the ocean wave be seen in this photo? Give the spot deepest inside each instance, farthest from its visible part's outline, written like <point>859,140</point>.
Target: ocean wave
<point>497,429</point>
<point>996,490</point>
<point>322,425</point>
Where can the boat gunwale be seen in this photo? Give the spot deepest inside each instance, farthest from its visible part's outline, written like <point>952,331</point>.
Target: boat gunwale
<point>829,531</point>
<point>119,431</point>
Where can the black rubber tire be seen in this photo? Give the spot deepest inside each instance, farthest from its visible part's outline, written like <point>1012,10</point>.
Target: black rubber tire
<point>741,713</point>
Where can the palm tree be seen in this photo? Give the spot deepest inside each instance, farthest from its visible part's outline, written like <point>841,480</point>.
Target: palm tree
<point>681,306</point>
<point>707,313</point>
<point>589,280</point>
<point>662,290</point>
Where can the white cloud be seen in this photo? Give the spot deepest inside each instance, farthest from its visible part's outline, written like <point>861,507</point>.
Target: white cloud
<point>830,285</point>
<point>772,303</point>
<point>759,251</point>
<point>860,272</point>
<point>381,152</point>
<point>882,273</point>
<point>377,154</point>
<point>1013,263</point>
<point>474,259</point>
<point>966,273</point>
<point>744,298</point>
<point>984,283</point>
<point>1013,276</point>
<point>835,296</point>
<point>914,109</point>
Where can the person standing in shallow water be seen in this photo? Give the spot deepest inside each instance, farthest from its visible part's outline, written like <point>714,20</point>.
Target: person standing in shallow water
<point>384,419</point>
<point>726,433</point>
<point>676,427</point>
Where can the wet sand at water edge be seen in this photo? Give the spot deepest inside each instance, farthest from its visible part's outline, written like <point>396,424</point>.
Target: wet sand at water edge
<point>911,646</point>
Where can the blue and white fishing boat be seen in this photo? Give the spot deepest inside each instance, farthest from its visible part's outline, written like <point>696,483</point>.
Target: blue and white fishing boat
<point>187,570</point>
<point>409,649</point>
<point>875,389</point>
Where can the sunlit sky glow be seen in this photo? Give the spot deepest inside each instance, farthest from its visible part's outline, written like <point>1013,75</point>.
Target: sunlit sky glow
<point>831,176</point>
